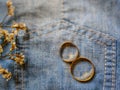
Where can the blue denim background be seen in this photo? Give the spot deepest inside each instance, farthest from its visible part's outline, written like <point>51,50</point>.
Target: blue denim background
<point>93,25</point>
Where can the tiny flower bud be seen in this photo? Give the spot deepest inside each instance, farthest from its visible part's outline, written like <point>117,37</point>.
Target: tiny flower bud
<point>19,26</point>
<point>1,49</point>
<point>13,46</point>
<point>19,59</point>
<point>10,7</point>
<point>5,74</point>
<point>9,3</point>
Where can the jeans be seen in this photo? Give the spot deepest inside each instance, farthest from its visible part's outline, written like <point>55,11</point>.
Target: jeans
<point>93,25</point>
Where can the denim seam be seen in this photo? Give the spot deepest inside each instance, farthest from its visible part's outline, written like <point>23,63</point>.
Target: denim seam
<point>22,71</point>
<point>22,75</point>
<point>15,72</point>
<point>106,36</point>
<point>19,74</point>
<point>114,66</point>
<point>105,67</point>
<point>62,12</point>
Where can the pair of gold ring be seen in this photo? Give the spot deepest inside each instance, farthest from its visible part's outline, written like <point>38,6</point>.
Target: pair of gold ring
<point>77,58</point>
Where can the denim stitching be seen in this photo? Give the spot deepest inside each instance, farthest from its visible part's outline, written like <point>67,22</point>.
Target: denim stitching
<point>105,49</point>
<point>92,31</point>
<point>20,71</point>
<point>62,12</point>
<point>114,66</point>
<point>15,73</point>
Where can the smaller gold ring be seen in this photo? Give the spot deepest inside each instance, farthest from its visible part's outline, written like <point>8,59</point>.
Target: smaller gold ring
<point>67,44</point>
<point>80,59</point>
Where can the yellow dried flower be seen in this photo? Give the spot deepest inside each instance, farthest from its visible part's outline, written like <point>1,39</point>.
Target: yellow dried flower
<point>1,49</point>
<point>5,74</point>
<point>13,46</point>
<point>11,11</point>
<point>4,31</point>
<point>9,3</point>
<point>15,32</point>
<point>19,58</point>
<point>19,26</point>
<point>9,37</point>
<point>10,7</point>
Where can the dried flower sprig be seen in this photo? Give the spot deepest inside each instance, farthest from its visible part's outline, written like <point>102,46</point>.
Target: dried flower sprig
<point>9,37</point>
<point>13,46</point>
<point>5,73</point>
<point>10,7</point>
<point>1,49</point>
<point>18,58</point>
<point>19,26</point>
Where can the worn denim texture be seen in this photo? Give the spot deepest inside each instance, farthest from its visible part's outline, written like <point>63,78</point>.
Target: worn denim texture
<point>93,25</point>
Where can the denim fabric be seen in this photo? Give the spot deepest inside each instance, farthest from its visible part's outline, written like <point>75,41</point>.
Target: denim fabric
<point>93,25</point>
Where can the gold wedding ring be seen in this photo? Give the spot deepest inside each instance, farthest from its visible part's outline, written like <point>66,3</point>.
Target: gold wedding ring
<point>68,44</point>
<point>87,76</point>
<point>77,58</point>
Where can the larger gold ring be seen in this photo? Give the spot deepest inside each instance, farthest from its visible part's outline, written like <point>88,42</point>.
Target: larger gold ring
<point>86,76</point>
<point>67,44</point>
